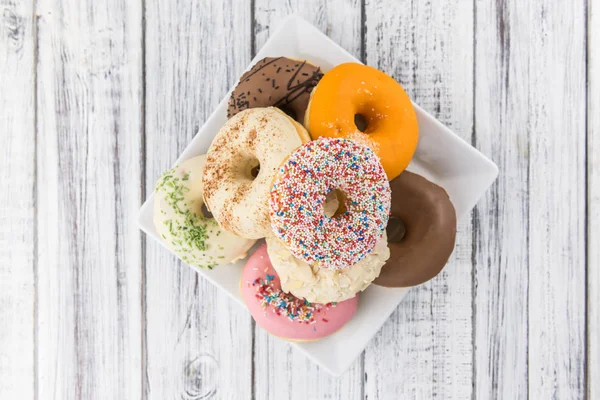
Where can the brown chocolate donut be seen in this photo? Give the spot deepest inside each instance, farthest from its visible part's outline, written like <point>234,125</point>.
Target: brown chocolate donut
<point>421,232</point>
<point>279,82</point>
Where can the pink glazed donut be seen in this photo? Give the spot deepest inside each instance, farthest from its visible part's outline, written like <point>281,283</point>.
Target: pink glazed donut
<point>284,315</point>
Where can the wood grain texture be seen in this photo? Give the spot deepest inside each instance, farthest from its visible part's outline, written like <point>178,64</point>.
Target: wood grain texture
<point>501,220</point>
<point>198,342</point>
<point>338,19</point>
<point>593,178</point>
<point>17,227</point>
<point>281,371</point>
<point>88,163</point>
<point>556,126</point>
<point>427,342</point>
<point>87,311</point>
<point>531,270</point>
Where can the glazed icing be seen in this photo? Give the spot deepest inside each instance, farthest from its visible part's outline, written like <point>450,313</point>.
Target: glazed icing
<point>285,315</point>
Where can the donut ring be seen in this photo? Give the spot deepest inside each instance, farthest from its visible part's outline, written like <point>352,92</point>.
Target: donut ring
<point>322,285</point>
<point>298,196</point>
<point>430,232</point>
<point>178,219</point>
<point>257,137</point>
<point>279,82</point>
<point>353,89</point>
<point>284,315</point>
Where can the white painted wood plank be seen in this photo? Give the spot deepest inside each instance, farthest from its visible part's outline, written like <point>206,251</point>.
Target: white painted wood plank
<point>593,154</point>
<point>502,217</point>
<point>530,110</point>
<point>556,124</point>
<point>17,227</point>
<point>427,345</point>
<point>281,371</point>
<point>198,342</point>
<point>338,19</point>
<point>89,131</point>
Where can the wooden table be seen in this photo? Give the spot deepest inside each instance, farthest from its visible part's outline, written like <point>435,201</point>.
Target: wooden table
<point>98,97</point>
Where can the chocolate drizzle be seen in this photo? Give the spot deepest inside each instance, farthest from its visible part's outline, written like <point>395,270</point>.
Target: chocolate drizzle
<point>282,82</point>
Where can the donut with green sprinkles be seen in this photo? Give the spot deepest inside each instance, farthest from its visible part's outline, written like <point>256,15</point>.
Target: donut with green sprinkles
<point>179,220</point>
<point>298,195</point>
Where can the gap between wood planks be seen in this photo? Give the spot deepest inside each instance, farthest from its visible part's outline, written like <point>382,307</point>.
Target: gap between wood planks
<point>143,241</point>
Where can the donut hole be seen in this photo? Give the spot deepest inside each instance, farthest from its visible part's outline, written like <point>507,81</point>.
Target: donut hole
<point>361,122</point>
<point>251,169</point>
<point>334,204</point>
<point>290,112</point>
<point>205,212</point>
<point>396,230</point>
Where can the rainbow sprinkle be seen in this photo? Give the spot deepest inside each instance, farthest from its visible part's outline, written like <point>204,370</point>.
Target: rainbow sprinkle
<point>285,304</point>
<point>298,196</point>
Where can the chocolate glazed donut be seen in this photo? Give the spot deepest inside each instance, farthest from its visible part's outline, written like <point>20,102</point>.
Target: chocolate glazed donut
<point>421,232</point>
<point>278,82</point>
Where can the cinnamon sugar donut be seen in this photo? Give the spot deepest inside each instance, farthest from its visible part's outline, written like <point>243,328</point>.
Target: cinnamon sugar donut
<point>241,164</point>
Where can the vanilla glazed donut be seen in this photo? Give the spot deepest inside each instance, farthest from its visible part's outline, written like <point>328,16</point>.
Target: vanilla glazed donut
<point>298,196</point>
<point>323,285</point>
<point>254,139</point>
<point>179,221</point>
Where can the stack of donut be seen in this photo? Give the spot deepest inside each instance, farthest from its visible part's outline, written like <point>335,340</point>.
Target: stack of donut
<point>315,164</point>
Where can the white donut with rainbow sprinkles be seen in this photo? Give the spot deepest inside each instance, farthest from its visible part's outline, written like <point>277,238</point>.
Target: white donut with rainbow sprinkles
<point>297,201</point>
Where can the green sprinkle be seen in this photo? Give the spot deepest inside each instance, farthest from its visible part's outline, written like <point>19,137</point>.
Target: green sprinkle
<point>189,231</point>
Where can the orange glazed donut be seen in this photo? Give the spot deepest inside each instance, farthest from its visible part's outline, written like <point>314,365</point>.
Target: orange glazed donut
<point>351,95</point>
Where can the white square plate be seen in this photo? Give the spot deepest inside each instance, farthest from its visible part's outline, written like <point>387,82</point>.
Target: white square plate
<point>441,156</point>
